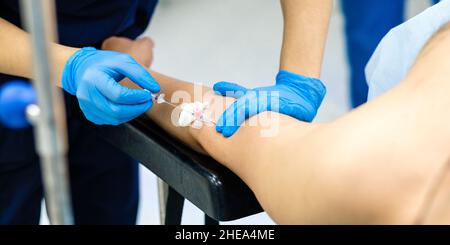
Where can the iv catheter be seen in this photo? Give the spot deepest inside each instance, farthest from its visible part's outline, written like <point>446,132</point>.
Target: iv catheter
<point>199,115</point>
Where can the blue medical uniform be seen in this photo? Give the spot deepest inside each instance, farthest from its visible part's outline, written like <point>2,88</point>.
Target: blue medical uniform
<point>367,22</point>
<point>104,181</point>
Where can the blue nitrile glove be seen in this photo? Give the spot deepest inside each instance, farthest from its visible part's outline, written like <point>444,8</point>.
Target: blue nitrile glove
<point>294,95</point>
<point>93,76</point>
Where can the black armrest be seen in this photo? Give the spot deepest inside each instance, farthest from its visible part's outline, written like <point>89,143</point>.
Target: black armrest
<point>207,184</point>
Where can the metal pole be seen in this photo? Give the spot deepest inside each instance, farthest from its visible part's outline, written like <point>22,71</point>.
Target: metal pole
<point>48,117</point>
<point>163,193</point>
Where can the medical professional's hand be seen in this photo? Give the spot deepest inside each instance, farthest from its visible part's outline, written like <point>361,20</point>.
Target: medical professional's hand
<point>93,76</point>
<point>293,95</point>
<point>140,49</point>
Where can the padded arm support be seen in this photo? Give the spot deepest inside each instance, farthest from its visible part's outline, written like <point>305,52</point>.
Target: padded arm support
<point>211,187</point>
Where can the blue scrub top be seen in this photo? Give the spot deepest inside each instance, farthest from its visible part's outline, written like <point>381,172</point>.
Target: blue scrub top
<point>80,23</point>
<point>89,22</point>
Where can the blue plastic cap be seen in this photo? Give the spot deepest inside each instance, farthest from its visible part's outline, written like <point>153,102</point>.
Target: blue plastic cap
<point>15,96</point>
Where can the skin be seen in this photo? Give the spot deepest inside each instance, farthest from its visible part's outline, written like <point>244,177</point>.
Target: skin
<point>16,59</point>
<point>305,32</point>
<point>375,165</point>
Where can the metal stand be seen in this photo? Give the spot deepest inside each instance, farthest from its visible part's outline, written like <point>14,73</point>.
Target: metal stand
<point>210,221</point>
<point>163,193</point>
<point>170,204</point>
<point>174,208</point>
<point>48,117</point>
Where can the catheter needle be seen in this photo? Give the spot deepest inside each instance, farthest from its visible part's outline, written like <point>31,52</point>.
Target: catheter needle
<point>158,99</point>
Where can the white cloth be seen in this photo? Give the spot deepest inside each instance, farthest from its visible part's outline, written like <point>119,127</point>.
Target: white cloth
<point>399,49</point>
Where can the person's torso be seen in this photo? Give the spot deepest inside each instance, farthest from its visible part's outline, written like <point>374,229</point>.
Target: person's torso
<point>89,22</point>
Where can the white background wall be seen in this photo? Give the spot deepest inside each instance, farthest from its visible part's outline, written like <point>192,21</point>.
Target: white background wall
<point>234,40</point>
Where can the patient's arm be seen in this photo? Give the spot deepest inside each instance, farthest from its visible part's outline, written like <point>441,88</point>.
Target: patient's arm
<point>374,165</point>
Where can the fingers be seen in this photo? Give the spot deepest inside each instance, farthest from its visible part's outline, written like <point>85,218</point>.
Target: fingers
<point>128,67</point>
<point>229,89</point>
<point>103,112</point>
<point>142,51</point>
<point>125,113</point>
<point>242,109</point>
<point>122,44</point>
<point>122,95</point>
<point>118,44</point>
<point>147,41</point>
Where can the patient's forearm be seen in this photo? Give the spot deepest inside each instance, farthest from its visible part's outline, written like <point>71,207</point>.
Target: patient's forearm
<point>207,139</point>
<point>162,113</point>
<point>256,153</point>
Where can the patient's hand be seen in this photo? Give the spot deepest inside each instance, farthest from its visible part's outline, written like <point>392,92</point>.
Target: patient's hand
<point>140,49</point>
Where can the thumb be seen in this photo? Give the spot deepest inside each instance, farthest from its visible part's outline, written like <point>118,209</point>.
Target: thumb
<point>229,89</point>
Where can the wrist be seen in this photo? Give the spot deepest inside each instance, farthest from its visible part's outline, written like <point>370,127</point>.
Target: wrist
<point>312,86</point>
<point>70,67</point>
<point>288,76</point>
<point>61,54</point>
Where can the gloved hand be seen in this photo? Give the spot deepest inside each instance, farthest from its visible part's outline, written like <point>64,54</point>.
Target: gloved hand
<point>93,76</point>
<point>294,95</point>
